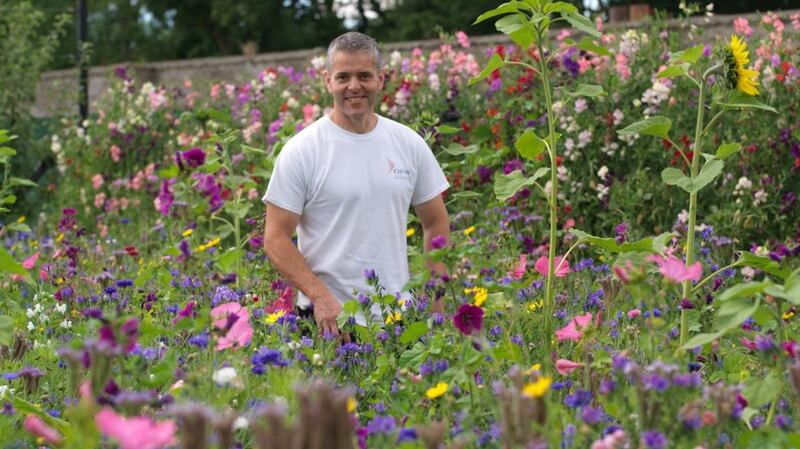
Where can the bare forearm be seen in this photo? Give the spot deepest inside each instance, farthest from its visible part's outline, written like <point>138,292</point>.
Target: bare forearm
<point>285,257</point>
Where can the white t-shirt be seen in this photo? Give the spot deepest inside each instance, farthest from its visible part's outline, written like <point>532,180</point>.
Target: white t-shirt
<point>352,192</point>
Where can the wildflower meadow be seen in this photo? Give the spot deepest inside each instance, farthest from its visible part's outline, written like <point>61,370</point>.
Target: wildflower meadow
<point>622,270</point>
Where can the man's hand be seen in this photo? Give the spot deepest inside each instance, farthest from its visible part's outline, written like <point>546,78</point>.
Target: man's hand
<point>326,310</point>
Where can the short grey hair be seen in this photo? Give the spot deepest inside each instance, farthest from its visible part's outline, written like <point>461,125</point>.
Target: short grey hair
<point>354,42</point>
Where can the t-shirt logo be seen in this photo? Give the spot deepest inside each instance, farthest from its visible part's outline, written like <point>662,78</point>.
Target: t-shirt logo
<point>398,172</point>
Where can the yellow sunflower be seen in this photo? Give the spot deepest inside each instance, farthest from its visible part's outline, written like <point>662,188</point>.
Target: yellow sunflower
<point>745,78</point>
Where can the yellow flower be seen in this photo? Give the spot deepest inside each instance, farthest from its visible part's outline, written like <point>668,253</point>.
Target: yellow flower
<point>469,230</point>
<point>537,389</point>
<point>60,237</point>
<point>21,219</point>
<point>187,232</point>
<point>393,317</point>
<point>480,295</point>
<point>438,390</point>
<point>745,78</point>
<point>272,318</point>
<point>535,305</point>
<point>410,232</point>
<point>208,245</point>
<point>351,404</point>
<point>787,315</point>
<point>536,367</point>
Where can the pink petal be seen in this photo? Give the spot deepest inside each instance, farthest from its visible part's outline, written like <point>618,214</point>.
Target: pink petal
<point>239,334</point>
<point>564,366</point>
<point>135,433</point>
<point>563,270</point>
<point>519,270</point>
<point>573,329</point>
<point>30,262</point>
<point>34,425</point>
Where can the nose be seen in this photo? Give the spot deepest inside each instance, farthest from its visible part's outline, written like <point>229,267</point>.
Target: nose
<point>354,83</point>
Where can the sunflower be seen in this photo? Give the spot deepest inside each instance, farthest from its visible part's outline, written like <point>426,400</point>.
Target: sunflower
<point>739,75</point>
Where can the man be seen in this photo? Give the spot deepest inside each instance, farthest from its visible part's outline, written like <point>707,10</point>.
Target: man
<point>345,183</point>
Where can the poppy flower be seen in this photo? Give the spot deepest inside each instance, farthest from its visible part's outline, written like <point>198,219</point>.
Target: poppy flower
<point>562,269</point>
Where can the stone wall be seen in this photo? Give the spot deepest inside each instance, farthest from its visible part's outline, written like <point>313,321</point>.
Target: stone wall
<point>57,90</point>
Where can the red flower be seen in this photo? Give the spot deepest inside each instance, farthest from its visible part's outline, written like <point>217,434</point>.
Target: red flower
<point>132,251</point>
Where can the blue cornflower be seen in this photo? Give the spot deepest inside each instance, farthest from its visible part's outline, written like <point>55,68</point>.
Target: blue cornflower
<point>654,440</point>
<point>580,398</point>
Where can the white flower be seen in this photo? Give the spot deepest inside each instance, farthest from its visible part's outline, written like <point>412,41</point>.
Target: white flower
<point>61,308</point>
<point>30,313</point>
<point>3,390</point>
<point>66,324</point>
<point>748,273</point>
<point>580,105</point>
<point>602,172</point>
<point>31,326</point>
<point>683,217</point>
<point>618,116</point>
<point>584,138</point>
<point>225,376</point>
<point>760,197</point>
<point>316,359</point>
<point>240,423</point>
<point>318,62</point>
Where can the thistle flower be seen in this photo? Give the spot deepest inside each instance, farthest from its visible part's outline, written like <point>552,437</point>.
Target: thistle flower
<point>736,74</point>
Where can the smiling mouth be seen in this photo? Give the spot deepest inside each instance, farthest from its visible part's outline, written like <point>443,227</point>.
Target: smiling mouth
<point>355,98</point>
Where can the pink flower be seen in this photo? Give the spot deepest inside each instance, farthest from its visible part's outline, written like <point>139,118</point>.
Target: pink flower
<point>519,270</point>
<point>30,262</point>
<point>563,270</point>
<point>622,68</point>
<point>138,432</point>
<point>240,332</point>
<point>564,366</point>
<point>742,26</point>
<point>116,153</point>
<point>747,343</point>
<point>34,425</point>
<point>634,313</point>
<point>463,39</point>
<point>97,181</point>
<point>674,270</point>
<point>283,303</point>
<point>622,274</point>
<point>309,113</point>
<point>574,329</point>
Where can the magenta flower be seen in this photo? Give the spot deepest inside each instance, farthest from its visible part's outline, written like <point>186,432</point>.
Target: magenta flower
<point>30,262</point>
<point>165,198</point>
<point>564,366</point>
<point>561,271</point>
<point>574,329</point>
<point>193,157</point>
<point>438,242</point>
<point>468,319</point>
<point>240,332</point>
<point>675,270</point>
<point>138,432</point>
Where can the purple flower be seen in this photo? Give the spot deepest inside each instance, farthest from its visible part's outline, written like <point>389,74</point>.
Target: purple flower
<point>193,157</point>
<point>580,398</point>
<point>654,440</point>
<point>513,164</point>
<point>165,198</point>
<point>438,242</point>
<point>468,319</point>
<point>592,415</point>
<point>484,174</point>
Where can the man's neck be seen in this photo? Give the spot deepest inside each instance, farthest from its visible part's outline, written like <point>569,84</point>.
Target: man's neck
<point>363,126</point>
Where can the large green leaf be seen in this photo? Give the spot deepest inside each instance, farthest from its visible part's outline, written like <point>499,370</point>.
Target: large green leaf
<point>457,150</point>
<point>743,290</point>
<point>561,7</point>
<point>505,8</point>
<point>6,329</point>
<point>447,129</point>
<point>734,312</point>
<point>413,332</point>
<point>14,181</point>
<point>511,23</point>
<point>529,145</point>
<point>675,70</point>
<point>587,44</point>
<point>581,22</point>
<point>764,264</point>
<point>711,169</point>
<point>169,172</point>
<point>674,177</point>
<point>586,90</point>
<point>228,259</point>
<point>738,99</point>
<point>8,264</point>
<point>505,186</point>
<point>649,244</point>
<point>690,55</point>
<point>760,391</point>
<point>701,339</point>
<point>495,62</point>
<point>726,149</point>
<point>654,126</point>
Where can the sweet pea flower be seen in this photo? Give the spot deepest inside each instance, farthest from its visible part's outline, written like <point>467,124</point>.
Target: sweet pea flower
<point>193,157</point>
<point>564,366</point>
<point>675,270</point>
<point>240,333</point>
<point>562,269</point>
<point>574,329</point>
<point>30,262</point>
<point>468,319</point>
<point>137,432</point>
<point>35,426</point>
<point>519,269</point>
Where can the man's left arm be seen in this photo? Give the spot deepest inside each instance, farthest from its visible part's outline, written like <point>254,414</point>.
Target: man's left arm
<point>434,219</point>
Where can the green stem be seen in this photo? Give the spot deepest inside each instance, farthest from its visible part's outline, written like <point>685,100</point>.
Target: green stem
<point>687,285</point>
<point>710,276</point>
<point>713,120</point>
<point>549,290</point>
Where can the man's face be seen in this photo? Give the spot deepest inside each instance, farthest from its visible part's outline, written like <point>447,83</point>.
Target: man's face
<point>354,82</point>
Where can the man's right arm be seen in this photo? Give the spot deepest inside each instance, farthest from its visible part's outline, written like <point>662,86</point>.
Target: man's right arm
<point>279,227</point>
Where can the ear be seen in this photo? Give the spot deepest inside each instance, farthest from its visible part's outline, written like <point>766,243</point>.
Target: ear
<point>326,75</point>
<point>381,78</point>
